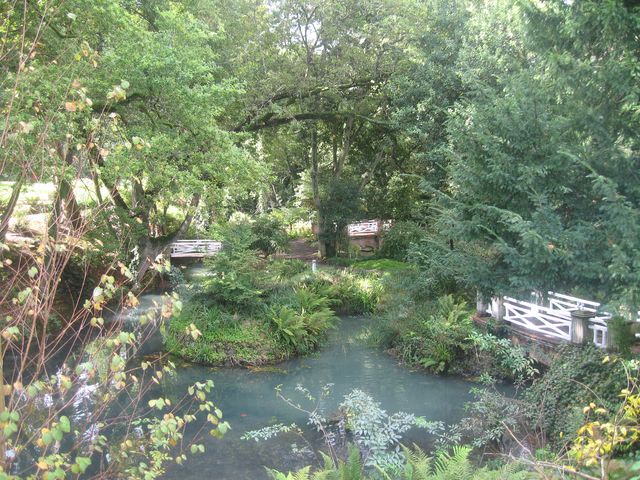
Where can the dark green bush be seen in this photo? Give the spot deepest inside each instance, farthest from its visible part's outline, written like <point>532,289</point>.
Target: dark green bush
<point>235,279</point>
<point>439,336</point>
<point>576,377</point>
<point>355,293</point>
<point>621,335</point>
<point>270,235</point>
<point>397,240</point>
<point>252,312</point>
<point>301,327</point>
<point>226,339</point>
<point>287,269</point>
<point>236,235</point>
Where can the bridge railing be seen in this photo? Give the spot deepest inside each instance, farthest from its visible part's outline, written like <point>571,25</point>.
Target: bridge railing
<point>368,227</point>
<point>537,318</point>
<point>194,248</point>
<point>553,320</point>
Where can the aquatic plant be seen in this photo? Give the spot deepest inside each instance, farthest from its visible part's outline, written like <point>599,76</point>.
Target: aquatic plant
<point>360,419</point>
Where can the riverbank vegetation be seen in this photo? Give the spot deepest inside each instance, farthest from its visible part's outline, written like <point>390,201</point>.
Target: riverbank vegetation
<point>252,311</point>
<point>498,139</point>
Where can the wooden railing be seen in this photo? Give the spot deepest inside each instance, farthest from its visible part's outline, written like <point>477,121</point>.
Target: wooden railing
<point>537,318</point>
<point>194,248</point>
<point>562,302</point>
<point>554,319</point>
<point>368,227</point>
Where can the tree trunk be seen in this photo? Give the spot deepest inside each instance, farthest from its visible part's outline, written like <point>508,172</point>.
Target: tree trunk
<point>152,247</point>
<point>346,146</point>
<point>65,199</point>
<point>315,188</point>
<point>13,201</point>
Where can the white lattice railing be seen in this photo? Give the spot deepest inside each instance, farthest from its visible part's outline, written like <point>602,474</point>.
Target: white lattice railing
<point>195,248</point>
<point>368,227</point>
<point>363,228</point>
<point>554,320</point>
<point>562,302</point>
<point>537,318</point>
<point>599,334</point>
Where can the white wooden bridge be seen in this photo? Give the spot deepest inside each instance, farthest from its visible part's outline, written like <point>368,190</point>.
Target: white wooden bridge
<point>368,228</point>
<point>194,248</point>
<point>553,319</point>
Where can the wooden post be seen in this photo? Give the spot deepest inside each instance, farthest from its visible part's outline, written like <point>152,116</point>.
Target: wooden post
<point>580,332</point>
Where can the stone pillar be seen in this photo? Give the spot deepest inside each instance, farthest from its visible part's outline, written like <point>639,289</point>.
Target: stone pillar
<point>481,305</point>
<point>622,329</point>
<point>497,308</point>
<point>580,332</point>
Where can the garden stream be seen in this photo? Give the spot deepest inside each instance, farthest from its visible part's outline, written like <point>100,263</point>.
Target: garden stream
<point>248,400</point>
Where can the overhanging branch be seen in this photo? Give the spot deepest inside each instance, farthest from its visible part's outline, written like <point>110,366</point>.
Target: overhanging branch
<point>272,121</point>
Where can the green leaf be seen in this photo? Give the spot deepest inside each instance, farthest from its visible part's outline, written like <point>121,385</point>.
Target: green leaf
<point>65,425</point>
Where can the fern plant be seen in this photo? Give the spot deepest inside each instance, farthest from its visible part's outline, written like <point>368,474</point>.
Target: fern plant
<point>302,474</point>
<point>288,326</point>
<point>419,466</point>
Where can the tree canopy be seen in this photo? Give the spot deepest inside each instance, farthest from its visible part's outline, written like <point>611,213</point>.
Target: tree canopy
<point>508,131</point>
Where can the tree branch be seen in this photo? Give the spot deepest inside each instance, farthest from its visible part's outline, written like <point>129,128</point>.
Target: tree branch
<point>271,121</point>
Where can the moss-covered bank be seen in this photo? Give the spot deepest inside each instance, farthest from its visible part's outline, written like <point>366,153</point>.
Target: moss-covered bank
<point>248,311</point>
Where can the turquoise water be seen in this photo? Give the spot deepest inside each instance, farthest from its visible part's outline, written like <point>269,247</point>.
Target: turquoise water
<point>248,401</point>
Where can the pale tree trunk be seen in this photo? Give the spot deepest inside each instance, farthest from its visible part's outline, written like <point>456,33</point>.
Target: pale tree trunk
<point>152,247</point>
<point>8,210</point>
<point>65,199</point>
<point>315,188</point>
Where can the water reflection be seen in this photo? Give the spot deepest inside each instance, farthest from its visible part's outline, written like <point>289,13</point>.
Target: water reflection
<point>248,401</point>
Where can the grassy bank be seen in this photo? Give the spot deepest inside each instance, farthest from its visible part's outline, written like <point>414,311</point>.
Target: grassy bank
<point>250,311</point>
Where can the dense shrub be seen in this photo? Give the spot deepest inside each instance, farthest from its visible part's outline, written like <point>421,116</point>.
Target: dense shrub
<point>236,235</point>
<point>501,358</point>
<point>397,240</point>
<point>355,292</point>
<point>576,377</point>
<point>234,279</point>
<point>444,267</point>
<point>252,312</point>
<point>445,466</point>
<point>287,269</point>
<point>226,339</point>
<point>438,336</point>
<point>270,235</point>
<point>300,326</point>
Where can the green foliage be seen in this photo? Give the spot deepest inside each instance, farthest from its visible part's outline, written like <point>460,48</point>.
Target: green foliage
<point>302,474</point>
<point>527,206</point>
<point>380,264</point>
<point>492,415</point>
<point>250,312</point>
<point>576,377</point>
<point>236,235</point>
<point>445,265</point>
<point>376,432</point>
<point>225,338</point>
<point>445,466</point>
<point>303,327</point>
<point>286,269</point>
<point>436,336</point>
<point>355,292</point>
<point>399,238</point>
<point>621,334</point>
<point>234,278</point>
<point>511,361</point>
<point>270,235</point>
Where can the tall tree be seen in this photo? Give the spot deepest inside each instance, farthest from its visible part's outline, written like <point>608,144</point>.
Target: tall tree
<point>323,87</point>
<point>543,152</point>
